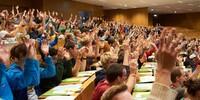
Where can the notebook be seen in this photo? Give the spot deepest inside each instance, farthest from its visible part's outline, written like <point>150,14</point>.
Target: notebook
<point>75,80</point>
<point>147,79</point>
<point>143,87</point>
<point>60,98</point>
<point>64,90</point>
<point>140,95</point>
<point>86,73</point>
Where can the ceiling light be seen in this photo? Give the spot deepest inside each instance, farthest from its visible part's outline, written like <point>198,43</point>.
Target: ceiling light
<point>125,5</point>
<point>175,12</point>
<point>152,9</point>
<point>155,15</point>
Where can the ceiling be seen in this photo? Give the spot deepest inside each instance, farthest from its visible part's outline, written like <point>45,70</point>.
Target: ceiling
<point>154,6</point>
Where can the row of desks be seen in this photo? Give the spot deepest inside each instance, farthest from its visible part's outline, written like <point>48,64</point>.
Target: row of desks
<point>82,86</point>
<point>75,88</point>
<point>144,86</point>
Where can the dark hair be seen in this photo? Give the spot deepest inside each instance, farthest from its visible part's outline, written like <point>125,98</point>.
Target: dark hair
<point>18,51</point>
<point>69,44</point>
<point>176,72</point>
<point>120,56</point>
<point>52,51</point>
<point>113,71</point>
<point>114,90</point>
<point>193,86</point>
<point>111,40</point>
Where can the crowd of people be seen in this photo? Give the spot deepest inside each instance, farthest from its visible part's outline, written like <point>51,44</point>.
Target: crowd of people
<point>50,48</point>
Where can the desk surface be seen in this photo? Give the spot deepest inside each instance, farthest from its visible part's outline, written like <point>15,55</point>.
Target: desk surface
<point>87,84</point>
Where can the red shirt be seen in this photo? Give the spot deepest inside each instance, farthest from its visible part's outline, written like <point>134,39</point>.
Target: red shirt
<point>150,52</point>
<point>101,87</point>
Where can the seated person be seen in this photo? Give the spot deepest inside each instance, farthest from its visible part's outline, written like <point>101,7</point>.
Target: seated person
<point>23,74</point>
<point>193,89</point>
<point>74,60</point>
<point>115,75</point>
<point>65,67</point>
<point>118,92</point>
<point>105,60</point>
<point>48,83</point>
<point>166,61</point>
<point>7,94</point>
<point>177,78</point>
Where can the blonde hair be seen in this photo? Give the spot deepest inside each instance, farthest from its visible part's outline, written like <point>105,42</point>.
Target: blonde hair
<point>85,40</point>
<point>106,57</point>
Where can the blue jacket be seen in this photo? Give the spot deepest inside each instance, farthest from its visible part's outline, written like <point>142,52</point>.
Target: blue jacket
<point>100,75</point>
<point>49,70</point>
<point>21,79</point>
<point>51,44</point>
<point>5,91</point>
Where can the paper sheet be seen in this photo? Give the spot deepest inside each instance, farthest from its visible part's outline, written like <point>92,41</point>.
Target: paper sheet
<point>147,79</point>
<point>143,87</point>
<point>60,98</point>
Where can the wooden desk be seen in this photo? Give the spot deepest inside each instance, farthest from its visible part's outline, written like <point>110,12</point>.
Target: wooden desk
<point>86,91</point>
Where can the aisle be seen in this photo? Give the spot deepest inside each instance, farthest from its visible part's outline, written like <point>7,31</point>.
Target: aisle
<point>143,88</point>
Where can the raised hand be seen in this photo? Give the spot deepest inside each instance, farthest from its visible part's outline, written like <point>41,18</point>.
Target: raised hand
<point>37,10</point>
<point>24,13</point>
<point>61,53</point>
<point>84,51</point>
<point>49,13</point>
<point>126,45</point>
<point>32,11</point>
<point>66,55</point>
<point>45,47</point>
<point>31,50</point>
<point>167,52</point>
<point>4,54</point>
<point>17,7</point>
<point>28,42</point>
<point>53,13</point>
<point>56,13</point>
<point>13,12</point>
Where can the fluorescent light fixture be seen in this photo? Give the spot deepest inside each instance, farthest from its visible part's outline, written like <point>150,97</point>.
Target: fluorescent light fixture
<point>175,12</point>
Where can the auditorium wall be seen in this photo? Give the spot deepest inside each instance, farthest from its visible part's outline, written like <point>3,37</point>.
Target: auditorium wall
<point>23,4</point>
<point>138,16</point>
<point>67,7</point>
<point>62,6</point>
<point>188,20</point>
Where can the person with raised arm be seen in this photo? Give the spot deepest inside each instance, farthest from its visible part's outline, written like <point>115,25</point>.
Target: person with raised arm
<point>23,74</point>
<point>166,61</point>
<point>4,85</point>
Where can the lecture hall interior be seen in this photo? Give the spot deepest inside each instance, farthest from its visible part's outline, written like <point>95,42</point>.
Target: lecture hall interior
<point>99,49</point>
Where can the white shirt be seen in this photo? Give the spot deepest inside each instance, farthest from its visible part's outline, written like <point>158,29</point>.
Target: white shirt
<point>3,33</point>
